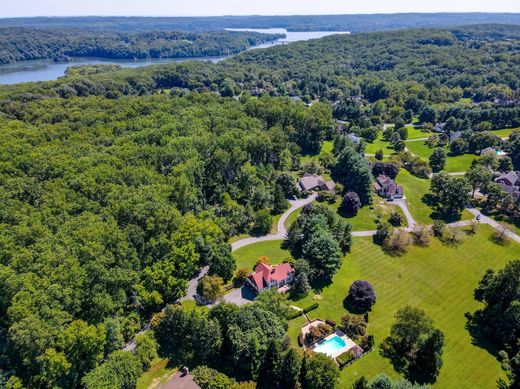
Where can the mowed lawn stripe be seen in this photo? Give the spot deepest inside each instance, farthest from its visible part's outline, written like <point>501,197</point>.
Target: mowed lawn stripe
<point>438,279</point>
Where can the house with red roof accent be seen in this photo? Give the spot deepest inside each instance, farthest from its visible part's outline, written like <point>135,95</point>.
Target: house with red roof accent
<point>267,277</point>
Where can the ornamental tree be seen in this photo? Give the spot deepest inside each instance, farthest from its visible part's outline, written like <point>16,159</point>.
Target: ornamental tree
<point>351,203</point>
<point>361,295</point>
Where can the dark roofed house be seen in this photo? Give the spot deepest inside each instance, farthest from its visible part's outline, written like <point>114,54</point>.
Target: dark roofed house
<point>510,183</point>
<point>488,150</point>
<point>455,135</point>
<point>315,182</point>
<point>388,189</point>
<point>354,138</point>
<point>267,277</point>
<point>439,127</point>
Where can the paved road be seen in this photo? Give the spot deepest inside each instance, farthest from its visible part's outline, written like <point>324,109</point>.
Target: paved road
<point>192,284</point>
<point>180,382</point>
<point>401,203</point>
<point>487,220</point>
<point>449,174</point>
<point>282,231</point>
<point>417,139</point>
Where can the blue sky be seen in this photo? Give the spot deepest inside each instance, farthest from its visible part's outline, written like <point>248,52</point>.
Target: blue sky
<point>17,8</point>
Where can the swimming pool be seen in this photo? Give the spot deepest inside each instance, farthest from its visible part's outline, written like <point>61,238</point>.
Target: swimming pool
<point>331,346</point>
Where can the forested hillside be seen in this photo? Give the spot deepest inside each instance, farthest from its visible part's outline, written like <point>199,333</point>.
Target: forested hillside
<point>108,207</point>
<point>117,185</point>
<point>62,44</point>
<point>354,23</point>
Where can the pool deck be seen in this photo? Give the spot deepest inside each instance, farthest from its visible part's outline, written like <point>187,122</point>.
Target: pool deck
<point>349,343</point>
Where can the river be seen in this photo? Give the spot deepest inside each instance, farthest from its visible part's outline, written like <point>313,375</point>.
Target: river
<point>46,69</point>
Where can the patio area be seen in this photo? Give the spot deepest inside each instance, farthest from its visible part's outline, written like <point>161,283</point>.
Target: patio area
<point>336,344</point>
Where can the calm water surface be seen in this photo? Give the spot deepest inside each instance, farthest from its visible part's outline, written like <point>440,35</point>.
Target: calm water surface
<point>45,69</point>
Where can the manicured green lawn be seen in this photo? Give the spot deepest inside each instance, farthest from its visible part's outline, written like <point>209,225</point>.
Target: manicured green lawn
<point>414,133</point>
<point>420,148</point>
<point>247,257</point>
<point>414,190</point>
<point>378,144</point>
<point>326,147</point>
<point>504,132</point>
<point>366,218</point>
<point>459,163</point>
<point>438,279</point>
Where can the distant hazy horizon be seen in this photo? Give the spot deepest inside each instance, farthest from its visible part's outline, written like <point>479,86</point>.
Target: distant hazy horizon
<point>30,8</point>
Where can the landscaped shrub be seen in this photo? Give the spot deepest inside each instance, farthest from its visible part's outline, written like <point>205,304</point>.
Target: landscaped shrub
<point>366,342</point>
<point>294,314</point>
<point>317,332</point>
<point>331,323</point>
<point>208,378</point>
<point>345,358</point>
<point>329,197</point>
<point>354,326</point>
<point>300,340</point>
<point>311,308</point>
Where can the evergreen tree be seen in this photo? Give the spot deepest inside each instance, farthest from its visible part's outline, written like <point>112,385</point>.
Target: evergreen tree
<point>354,172</point>
<point>280,203</point>
<point>272,363</point>
<point>290,372</point>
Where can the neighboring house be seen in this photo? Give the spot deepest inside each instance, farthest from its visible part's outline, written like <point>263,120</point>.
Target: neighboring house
<point>510,183</point>
<point>295,99</point>
<point>488,150</point>
<point>387,188</point>
<point>267,277</point>
<point>315,182</point>
<point>354,138</point>
<point>455,135</point>
<point>439,127</point>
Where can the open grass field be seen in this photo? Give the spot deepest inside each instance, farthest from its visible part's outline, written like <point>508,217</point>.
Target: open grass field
<point>438,279</point>
<point>505,132</point>
<point>378,144</point>
<point>459,163</point>
<point>159,373</point>
<point>420,148</point>
<point>414,190</point>
<point>366,218</point>
<point>326,148</point>
<point>247,257</point>
<point>415,133</point>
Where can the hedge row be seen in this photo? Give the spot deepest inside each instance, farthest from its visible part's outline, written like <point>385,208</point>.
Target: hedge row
<point>311,308</point>
<point>294,314</point>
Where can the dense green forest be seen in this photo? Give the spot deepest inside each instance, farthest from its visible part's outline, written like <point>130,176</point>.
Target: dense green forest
<point>354,23</point>
<point>62,44</point>
<point>111,205</point>
<point>117,185</point>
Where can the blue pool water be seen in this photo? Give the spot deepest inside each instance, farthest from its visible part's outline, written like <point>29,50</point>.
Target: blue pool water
<point>330,346</point>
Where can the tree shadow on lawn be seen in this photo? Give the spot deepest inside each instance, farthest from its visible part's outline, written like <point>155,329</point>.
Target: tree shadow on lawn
<point>319,284</point>
<point>352,308</point>
<point>476,327</point>
<point>402,365</point>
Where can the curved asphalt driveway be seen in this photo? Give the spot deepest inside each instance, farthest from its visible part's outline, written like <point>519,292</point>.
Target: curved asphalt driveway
<point>282,231</point>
